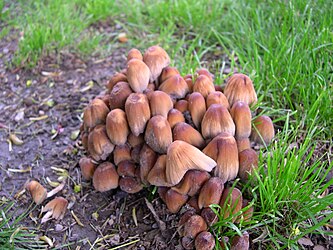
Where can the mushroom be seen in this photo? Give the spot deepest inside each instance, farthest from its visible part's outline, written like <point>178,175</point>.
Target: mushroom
<point>184,132</point>
<point>197,108</point>
<point>209,216</point>
<point>134,54</point>
<point>263,130</point>
<point>117,127</point>
<point>203,85</point>
<point>95,113</point>
<point>156,59</point>
<point>181,105</point>
<point>175,116</point>
<point>193,203</point>
<point>241,114</point>
<point>99,145</point>
<point>231,202</point>
<point>119,95</point>
<point>135,153</point>
<point>37,191</point>
<point>160,103</point>
<point>130,185</point>
<point>126,168</point>
<point>137,112</point>
<point>158,134</point>
<point>243,143</point>
<point>217,97</point>
<point>105,177</point>
<point>135,140</point>
<point>118,77</point>
<point>147,160</point>
<point>205,72</point>
<point>182,157</point>
<point>211,192</point>
<point>188,79</point>
<point>193,226</point>
<point>216,120</point>
<point>248,160</point>
<point>218,88</point>
<point>168,72</point>
<point>192,182</point>
<point>121,153</point>
<point>175,86</point>
<point>87,167</point>
<point>204,241</point>
<point>239,87</point>
<point>138,75</point>
<point>174,200</point>
<point>240,242</point>
<point>55,208</point>
<point>157,175</point>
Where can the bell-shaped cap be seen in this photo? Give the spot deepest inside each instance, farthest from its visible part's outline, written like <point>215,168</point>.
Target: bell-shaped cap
<point>117,127</point>
<point>241,114</point>
<point>138,75</point>
<point>197,108</point>
<point>99,144</point>
<point>156,59</point>
<point>95,113</point>
<point>160,103</point>
<point>175,86</point>
<point>263,130</point>
<point>184,132</point>
<point>105,177</point>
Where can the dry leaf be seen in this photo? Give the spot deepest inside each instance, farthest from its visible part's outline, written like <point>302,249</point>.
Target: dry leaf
<point>305,241</point>
<point>55,208</point>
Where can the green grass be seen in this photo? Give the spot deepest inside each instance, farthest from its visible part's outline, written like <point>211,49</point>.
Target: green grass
<point>285,46</point>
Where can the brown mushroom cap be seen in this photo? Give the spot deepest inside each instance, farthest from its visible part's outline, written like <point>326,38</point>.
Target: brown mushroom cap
<point>160,103</point>
<point>182,157</point>
<point>197,108</point>
<point>157,175</point>
<point>195,225</point>
<point>204,241</point>
<point>184,132</point>
<point>87,167</point>
<point>243,143</point>
<point>137,112</point>
<point>37,191</point>
<point>205,72</point>
<point>158,134</point>
<point>119,95</point>
<point>181,105</point>
<point>121,153</point>
<point>130,185</point>
<point>263,130</point>
<point>138,75</point>
<point>248,160</point>
<point>211,192</point>
<point>167,72</point>
<point>134,54</point>
<point>156,59</point>
<point>231,202</point>
<point>239,87</point>
<point>203,85</point>
<point>209,216</point>
<point>175,116</point>
<point>117,77</point>
<point>117,127</point>
<point>217,97</point>
<point>95,113</point>
<point>192,182</point>
<point>105,177</point>
<point>126,168</point>
<point>148,159</point>
<point>99,145</point>
<point>174,200</point>
<point>175,86</point>
<point>240,242</point>
<point>241,114</point>
<point>135,140</point>
<point>216,120</point>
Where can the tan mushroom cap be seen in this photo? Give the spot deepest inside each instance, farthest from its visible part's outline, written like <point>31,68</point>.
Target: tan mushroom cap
<point>158,134</point>
<point>195,225</point>
<point>117,127</point>
<point>168,72</point>
<point>137,112</point>
<point>181,105</point>
<point>156,59</point>
<point>175,86</point>
<point>56,207</point>
<point>217,97</point>
<point>37,191</point>
<point>134,54</point>
<point>138,75</point>
<point>240,242</point>
<point>197,108</point>
<point>209,216</point>
<point>121,153</point>
<point>204,241</point>
<point>95,113</point>
<point>241,114</point>
<point>174,200</point>
<point>130,185</point>
<point>239,87</point>
<point>126,168</point>
<point>87,167</point>
<point>231,202</point>
<point>117,77</point>
<point>211,192</point>
<point>105,177</point>
<point>192,182</point>
<point>160,103</point>
<point>248,160</point>
<point>157,176</point>
<point>99,145</point>
<point>243,143</point>
<point>119,95</point>
<point>263,130</point>
<point>184,132</point>
<point>203,85</point>
<point>148,158</point>
<point>205,72</point>
<point>175,116</point>
<point>181,157</point>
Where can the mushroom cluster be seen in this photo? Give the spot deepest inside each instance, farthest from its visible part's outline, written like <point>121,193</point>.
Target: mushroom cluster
<point>183,134</point>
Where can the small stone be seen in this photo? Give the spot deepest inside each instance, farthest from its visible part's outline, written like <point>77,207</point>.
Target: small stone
<point>58,227</point>
<point>19,116</point>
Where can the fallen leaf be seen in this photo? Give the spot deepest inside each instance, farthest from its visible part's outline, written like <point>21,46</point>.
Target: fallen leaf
<point>47,240</point>
<point>305,241</point>
<point>14,139</point>
<point>75,134</point>
<point>55,208</point>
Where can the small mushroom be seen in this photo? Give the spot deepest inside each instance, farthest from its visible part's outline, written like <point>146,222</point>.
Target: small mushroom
<point>119,95</point>
<point>138,75</point>
<point>241,114</point>
<point>248,160</point>
<point>239,87</point>
<point>121,153</point>
<point>211,192</point>
<point>117,127</point>
<point>175,116</point>
<point>231,202</point>
<point>174,200</point>
<point>158,134</point>
<point>175,86</point>
<point>204,241</point>
<point>55,208</point>
<point>182,105</point>
<point>197,108</point>
<point>99,145</point>
<point>156,59</point>
<point>182,157</point>
<point>240,242</point>
<point>217,97</point>
<point>95,113</point>
<point>263,130</point>
<point>135,153</point>
<point>192,182</point>
<point>189,82</point>
<point>209,216</point>
<point>105,177</point>
<point>118,77</point>
<point>205,72</point>
<point>148,159</point>
<point>134,54</point>
<point>135,140</point>
<point>160,103</point>
<point>203,85</point>
<point>195,225</point>
<point>184,132</point>
<point>243,143</point>
<point>87,167</point>
<point>126,168</point>
<point>37,191</point>
<point>216,120</point>
<point>168,72</point>
<point>137,112</point>
<point>193,203</point>
<point>157,175</point>
<point>130,185</point>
